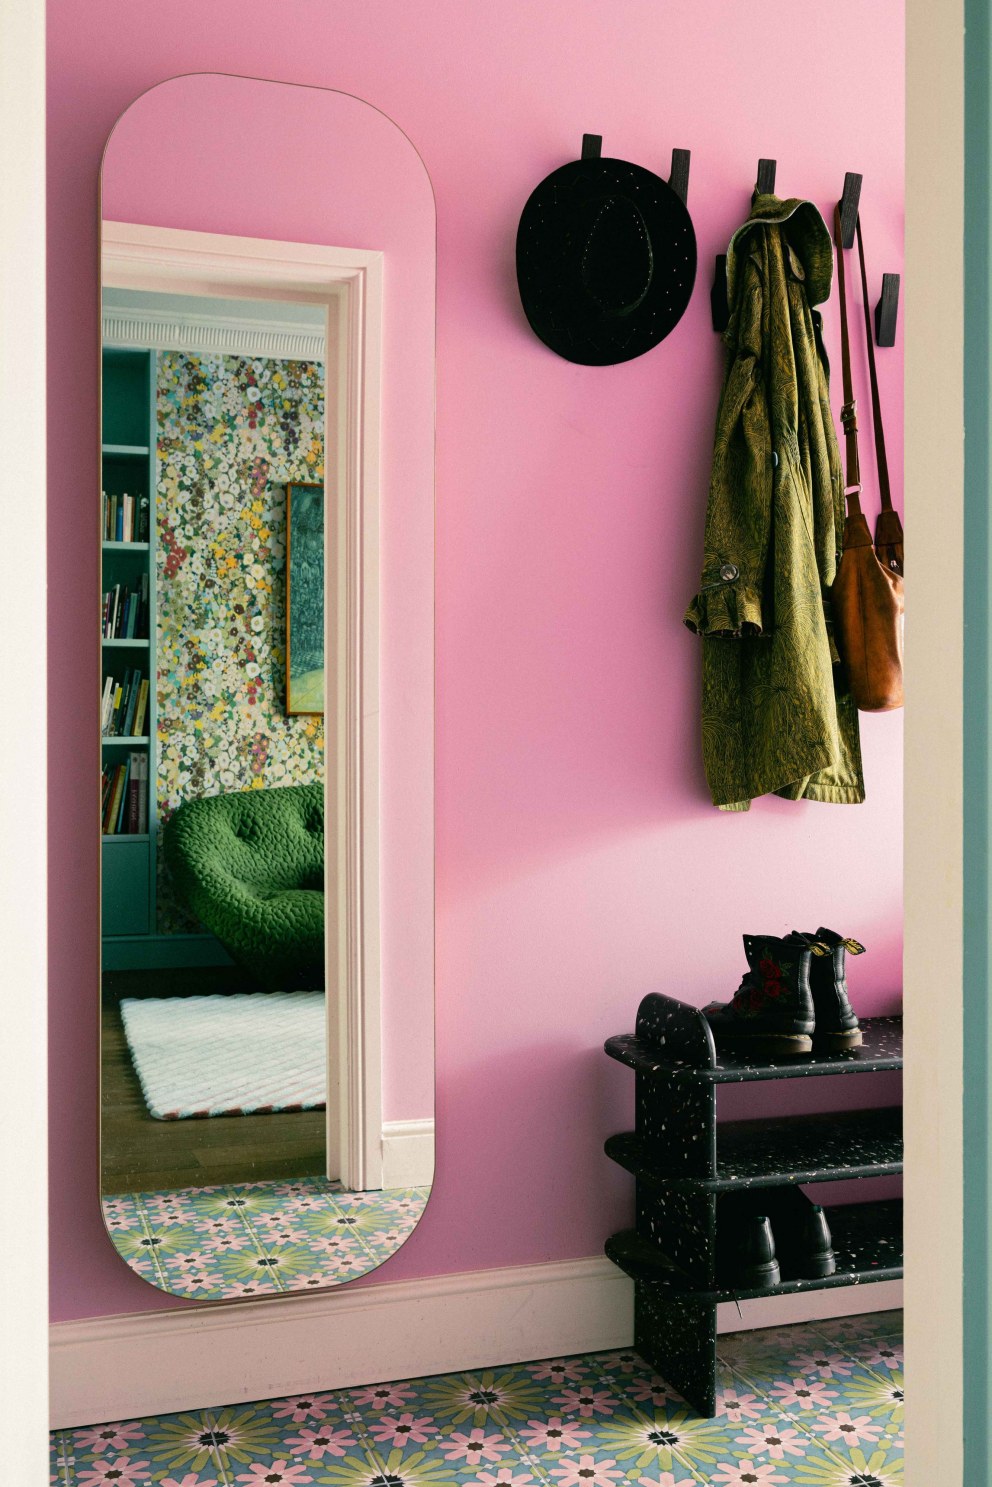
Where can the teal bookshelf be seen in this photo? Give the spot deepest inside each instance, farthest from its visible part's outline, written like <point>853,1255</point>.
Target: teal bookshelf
<point>128,467</point>
<point>129,861</point>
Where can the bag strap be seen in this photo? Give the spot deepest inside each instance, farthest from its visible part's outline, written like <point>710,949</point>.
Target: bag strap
<point>849,411</point>
<point>876,407</point>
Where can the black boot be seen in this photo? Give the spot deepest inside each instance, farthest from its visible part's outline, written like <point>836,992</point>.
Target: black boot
<point>772,1011</point>
<point>805,1246</point>
<point>755,1264</point>
<point>836,1025</point>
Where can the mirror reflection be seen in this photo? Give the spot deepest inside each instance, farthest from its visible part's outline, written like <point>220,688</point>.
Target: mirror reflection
<point>225,1052</point>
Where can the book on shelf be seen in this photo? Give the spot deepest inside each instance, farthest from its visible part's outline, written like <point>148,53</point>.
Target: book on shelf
<point>120,714</point>
<point>113,805</point>
<point>124,797</point>
<point>125,518</point>
<point>125,611</point>
<point>143,794</point>
<point>107,706</point>
<point>133,786</point>
<point>122,807</point>
<point>129,709</point>
<point>142,706</point>
<point>106,785</point>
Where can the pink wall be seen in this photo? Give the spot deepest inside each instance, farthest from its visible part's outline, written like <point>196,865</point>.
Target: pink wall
<point>578,862</point>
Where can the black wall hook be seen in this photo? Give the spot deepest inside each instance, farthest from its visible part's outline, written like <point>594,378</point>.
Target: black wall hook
<point>849,204</point>
<point>592,149</point>
<point>679,178</point>
<point>719,304</point>
<point>765,184</point>
<point>887,311</point>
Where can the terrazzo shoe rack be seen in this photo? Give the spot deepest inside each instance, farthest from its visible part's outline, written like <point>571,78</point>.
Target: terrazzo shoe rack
<point>701,1183</point>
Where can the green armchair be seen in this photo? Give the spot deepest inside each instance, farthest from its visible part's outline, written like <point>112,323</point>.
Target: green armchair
<point>250,866</point>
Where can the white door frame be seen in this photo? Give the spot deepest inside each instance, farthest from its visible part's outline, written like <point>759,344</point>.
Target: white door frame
<point>23,769</point>
<point>348,282</point>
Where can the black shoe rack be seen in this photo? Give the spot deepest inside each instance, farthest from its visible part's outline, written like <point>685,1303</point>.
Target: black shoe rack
<point>690,1171</point>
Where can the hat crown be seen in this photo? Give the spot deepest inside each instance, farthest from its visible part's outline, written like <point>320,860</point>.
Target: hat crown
<point>606,259</point>
<point>617,263</point>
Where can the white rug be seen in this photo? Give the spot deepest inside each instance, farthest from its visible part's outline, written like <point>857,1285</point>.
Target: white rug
<point>263,1052</point>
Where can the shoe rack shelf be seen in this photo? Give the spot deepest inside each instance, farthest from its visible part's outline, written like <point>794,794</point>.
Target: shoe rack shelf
<point>688,1167</point>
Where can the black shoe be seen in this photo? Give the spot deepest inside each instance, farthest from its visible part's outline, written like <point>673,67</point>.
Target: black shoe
<point>755,1264</point>
<point>836,1025</point>
<point>772,1011</point>
<point>805,1246</point>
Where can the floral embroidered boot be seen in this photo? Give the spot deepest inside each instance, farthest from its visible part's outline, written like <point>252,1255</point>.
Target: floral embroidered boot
<point>772,1011</point>
<point>836,1024</point>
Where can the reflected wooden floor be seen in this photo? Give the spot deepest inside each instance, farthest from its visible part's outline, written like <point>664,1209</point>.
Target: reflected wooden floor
<point>140,1155</point>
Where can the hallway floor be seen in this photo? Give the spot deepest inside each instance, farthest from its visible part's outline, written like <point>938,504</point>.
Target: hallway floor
<point>817,1404</point>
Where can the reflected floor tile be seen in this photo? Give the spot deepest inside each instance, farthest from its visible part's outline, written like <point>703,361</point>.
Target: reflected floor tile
<point>259,1238</point>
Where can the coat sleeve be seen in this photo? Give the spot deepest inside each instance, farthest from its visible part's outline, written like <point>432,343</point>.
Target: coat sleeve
<point>739,508</point>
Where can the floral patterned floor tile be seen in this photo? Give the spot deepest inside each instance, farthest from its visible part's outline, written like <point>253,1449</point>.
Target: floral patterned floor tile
<point>251,1239</point>
<point>600,1420</point>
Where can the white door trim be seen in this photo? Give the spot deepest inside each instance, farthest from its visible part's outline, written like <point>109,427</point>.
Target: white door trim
<point>23,781</point>
<point>934,799</point>
<point>348,282</point>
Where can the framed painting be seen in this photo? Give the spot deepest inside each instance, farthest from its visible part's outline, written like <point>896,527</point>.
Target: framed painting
<point>304,599</point>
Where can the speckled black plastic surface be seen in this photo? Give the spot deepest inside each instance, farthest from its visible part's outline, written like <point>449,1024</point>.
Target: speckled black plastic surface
<point>678,1120</point>
<point>881,1049</point>
<point>796,1148</point>
<point>677,1336</point>
<point>687,1167</point>
<point>867,1241</point>
<point>681,1222</point>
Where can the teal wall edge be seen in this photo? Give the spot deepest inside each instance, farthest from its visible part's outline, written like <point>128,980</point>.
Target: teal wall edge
<point>977,1403</point>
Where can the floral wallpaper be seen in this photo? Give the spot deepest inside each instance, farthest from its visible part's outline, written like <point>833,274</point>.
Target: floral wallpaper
<point>232,430</point>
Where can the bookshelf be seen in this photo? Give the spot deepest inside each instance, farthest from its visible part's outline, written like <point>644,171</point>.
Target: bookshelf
<point>128,836</point>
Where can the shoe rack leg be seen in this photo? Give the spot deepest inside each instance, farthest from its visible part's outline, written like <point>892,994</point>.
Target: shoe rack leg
<point>677,1336</point>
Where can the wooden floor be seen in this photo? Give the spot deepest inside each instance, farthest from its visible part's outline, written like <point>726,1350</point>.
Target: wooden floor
<point>139,1154</point>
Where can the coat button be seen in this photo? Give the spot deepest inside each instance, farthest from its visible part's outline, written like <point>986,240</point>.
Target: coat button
<point>729,572</point>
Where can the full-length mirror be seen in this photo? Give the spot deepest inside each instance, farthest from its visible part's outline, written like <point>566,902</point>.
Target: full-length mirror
<point>265,622</point>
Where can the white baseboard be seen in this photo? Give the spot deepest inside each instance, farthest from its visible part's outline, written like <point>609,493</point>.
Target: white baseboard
<point>407,1153</point>
<point>151,1363</point>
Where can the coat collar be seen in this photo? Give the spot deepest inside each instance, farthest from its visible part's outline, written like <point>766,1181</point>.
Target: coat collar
<point>806,234</point>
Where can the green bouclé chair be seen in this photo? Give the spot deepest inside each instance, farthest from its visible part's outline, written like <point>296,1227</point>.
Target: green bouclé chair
<point>250,866</point>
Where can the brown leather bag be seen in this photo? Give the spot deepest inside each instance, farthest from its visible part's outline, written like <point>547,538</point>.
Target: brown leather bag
<point>867,592</point>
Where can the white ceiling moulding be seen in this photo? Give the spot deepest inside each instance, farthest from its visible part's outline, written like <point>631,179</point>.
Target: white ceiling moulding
<point>222,335</point>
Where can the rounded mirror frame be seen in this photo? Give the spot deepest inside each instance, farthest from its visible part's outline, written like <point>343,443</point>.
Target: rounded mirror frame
<point>293,218</point>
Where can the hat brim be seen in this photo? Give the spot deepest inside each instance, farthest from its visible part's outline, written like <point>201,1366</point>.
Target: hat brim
<point>570,322</point>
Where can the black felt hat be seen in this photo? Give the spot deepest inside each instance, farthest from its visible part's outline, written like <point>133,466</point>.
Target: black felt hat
<point>606,260</point>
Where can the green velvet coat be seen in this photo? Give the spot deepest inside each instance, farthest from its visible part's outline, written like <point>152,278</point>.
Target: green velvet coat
<point>776,712</point>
